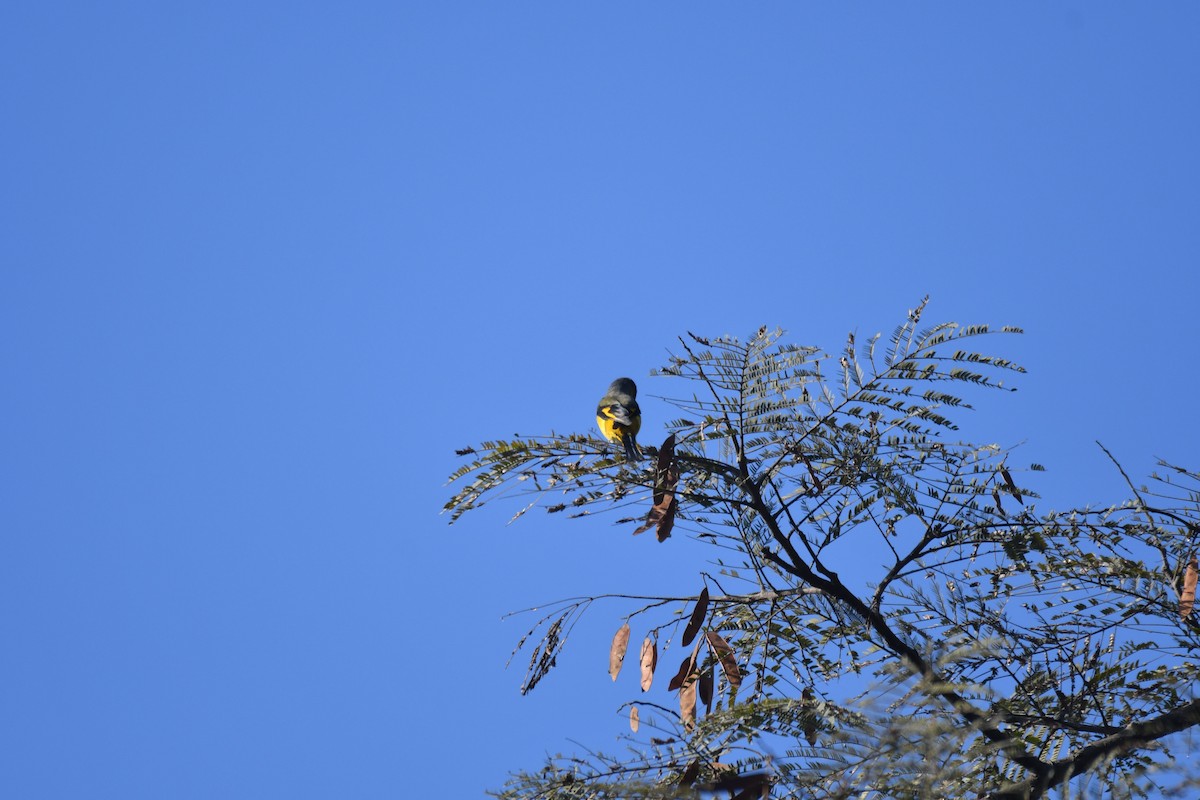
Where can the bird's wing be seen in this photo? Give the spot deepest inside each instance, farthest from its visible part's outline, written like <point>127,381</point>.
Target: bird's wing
<point>616,412</point>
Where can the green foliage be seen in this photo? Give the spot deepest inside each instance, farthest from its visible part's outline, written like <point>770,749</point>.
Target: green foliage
<point>990,648</point>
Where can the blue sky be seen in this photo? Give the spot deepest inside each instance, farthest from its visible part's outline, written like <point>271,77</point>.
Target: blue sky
<point>267,265</point>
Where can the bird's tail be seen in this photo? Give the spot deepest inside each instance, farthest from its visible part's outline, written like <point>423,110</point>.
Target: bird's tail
<point>632,451</point>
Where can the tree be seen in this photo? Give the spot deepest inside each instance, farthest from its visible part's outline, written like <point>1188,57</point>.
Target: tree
<point>990,648</point>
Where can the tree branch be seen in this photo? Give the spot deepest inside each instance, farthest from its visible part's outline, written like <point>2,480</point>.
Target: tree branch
<point>1134,735</point>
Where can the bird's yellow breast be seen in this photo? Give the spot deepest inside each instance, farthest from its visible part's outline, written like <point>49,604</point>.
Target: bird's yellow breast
<point>614,431</point>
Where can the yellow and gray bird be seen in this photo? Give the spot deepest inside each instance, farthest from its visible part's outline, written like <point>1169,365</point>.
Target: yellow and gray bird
<point>620,418</point>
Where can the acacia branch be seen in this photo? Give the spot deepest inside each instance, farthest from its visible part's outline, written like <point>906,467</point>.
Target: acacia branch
<point>1134,735</point>
<point>875,620</point>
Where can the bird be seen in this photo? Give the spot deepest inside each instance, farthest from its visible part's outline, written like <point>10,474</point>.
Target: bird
<point>619,417</point>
